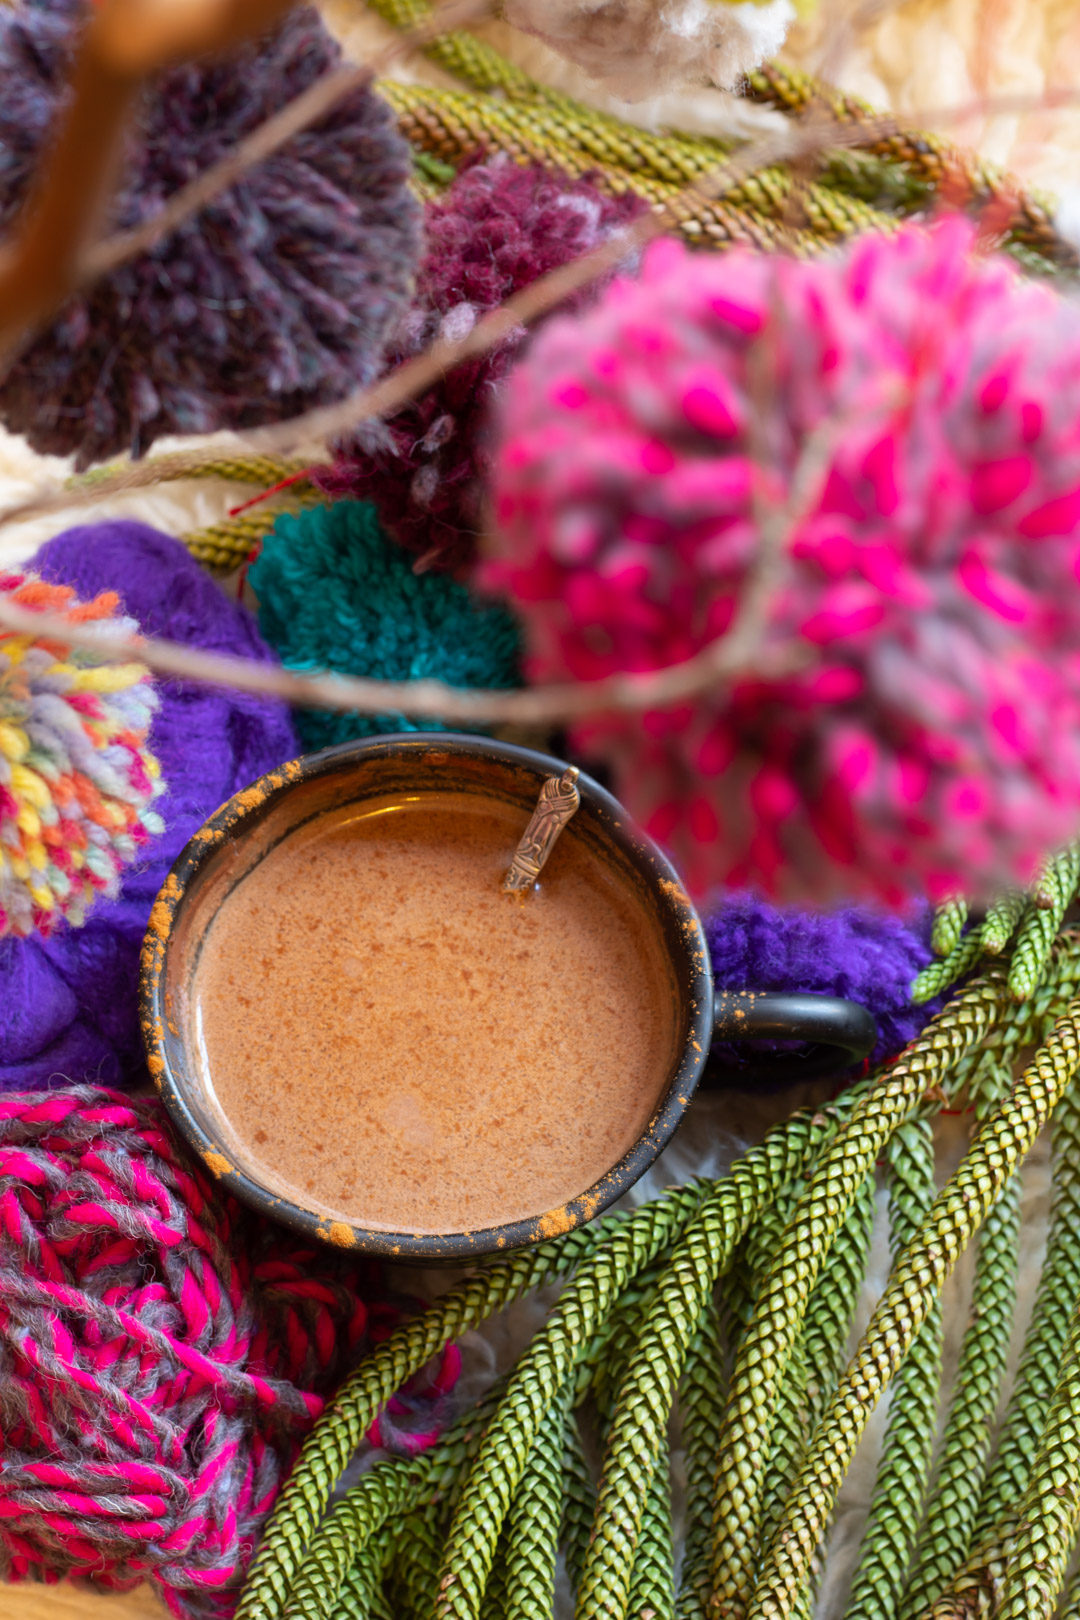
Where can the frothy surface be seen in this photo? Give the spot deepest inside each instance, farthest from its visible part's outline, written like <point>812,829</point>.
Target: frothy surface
<point>394,1041</point>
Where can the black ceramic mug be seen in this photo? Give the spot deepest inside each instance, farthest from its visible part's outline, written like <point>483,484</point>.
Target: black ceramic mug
<point>252,823</point>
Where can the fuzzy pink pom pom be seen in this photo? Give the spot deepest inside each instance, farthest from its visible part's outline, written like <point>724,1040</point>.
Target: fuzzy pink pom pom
<point>915,408</point>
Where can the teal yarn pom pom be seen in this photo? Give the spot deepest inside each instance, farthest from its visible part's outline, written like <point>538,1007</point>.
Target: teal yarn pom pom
<point>334,592</point>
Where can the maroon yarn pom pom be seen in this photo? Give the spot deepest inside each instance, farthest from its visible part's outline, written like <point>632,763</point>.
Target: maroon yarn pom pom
<point>498,228</point>
<point>278,295</point>
<point>162,1355</point>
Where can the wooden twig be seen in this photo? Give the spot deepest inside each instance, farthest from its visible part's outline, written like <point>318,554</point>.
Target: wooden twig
<point>736,653</point>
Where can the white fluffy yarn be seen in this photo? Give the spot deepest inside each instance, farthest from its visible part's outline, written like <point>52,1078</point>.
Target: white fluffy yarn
<point>639,47</point>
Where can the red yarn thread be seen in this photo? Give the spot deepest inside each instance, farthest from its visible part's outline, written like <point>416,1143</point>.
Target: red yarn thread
<point>162,1355</point>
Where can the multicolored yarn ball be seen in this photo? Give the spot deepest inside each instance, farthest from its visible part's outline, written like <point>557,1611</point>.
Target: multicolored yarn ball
<point>68,1003</point>
<point>76,778</point>
<point>638,47</point>
<point>278,295</point>
<point>496,230</point>
<point>335,593</point>
<point>855,952</point>
<point>162,1355</point>
<point>909,414</point>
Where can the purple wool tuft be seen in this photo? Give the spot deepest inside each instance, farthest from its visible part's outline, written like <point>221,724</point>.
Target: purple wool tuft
<point>276,296</point>
<point>913,722</point>
<point>68,1004</point>
<point>498,228</point>
<point>855,953</point>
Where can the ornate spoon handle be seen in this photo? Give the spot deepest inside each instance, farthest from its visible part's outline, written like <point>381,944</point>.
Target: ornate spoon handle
<point>558,800</point>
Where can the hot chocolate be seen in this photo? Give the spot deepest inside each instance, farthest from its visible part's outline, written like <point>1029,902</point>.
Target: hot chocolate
<point>393,1041</point>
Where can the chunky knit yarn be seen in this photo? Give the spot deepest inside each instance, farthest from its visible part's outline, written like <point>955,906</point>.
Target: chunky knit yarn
<point>639,47</point>
<point>335,593</point>
<point>854,952</point>
<point>276,296</point>
<point>76,779</point>
<point>162,1355</point>
<point>68,1003</point>
<point>918,411</point>
<point>497,229</point>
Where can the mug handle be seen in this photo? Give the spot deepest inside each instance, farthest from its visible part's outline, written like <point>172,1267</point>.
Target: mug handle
<point>836,1034</point>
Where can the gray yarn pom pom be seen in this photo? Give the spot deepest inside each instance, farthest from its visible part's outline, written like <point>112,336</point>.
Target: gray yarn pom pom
<point>276,297</point>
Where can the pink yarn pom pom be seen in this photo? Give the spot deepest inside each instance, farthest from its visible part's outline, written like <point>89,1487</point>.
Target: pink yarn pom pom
<point>919,421</point>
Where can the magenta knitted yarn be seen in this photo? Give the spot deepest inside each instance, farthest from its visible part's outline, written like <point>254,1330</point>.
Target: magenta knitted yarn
<point>919,418</point>
<point>162,1355</point>
<point>497,229</point>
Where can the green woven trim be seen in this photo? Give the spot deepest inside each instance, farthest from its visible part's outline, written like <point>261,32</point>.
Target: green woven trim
<point>759,1272</point>
<point>957,1213</point>
<point>1031,923</point>
<point>767,1345</point>
<point>903,1471</point>
<point>946,1535</point>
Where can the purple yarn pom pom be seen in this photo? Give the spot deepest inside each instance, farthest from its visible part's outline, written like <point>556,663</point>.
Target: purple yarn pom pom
<point>855,953</point>
<point>276,296</point>
<point>68,1003</point>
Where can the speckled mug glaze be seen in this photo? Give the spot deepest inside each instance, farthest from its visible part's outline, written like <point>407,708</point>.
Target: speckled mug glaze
<point>253,821</point>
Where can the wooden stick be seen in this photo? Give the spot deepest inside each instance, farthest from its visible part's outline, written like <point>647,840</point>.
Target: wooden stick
<point>736,653</point>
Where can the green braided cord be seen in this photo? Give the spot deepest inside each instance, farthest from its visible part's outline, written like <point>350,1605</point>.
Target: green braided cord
<point>701,1406</point>
<point>1044,1342</point>
<point>265,471</point>
<point>830,1314</point>
<point>1039,916</point>
<point>495,1593</point>
<point>1001,921</point>
<point>789,1435</point>
<point>835,1181</point>
<point>652,1586</point>
<point>956,1215</point>
<point>638,1426</point>
<point>359,1400</point>
<point>818,1356</point>
<point>390,1489</point>
<point>579,1503</point>
<point>949,920</point>
<point>413,1574</point>
<point>754,1183</point>
<point>946,1535</point>
<point>543,1369</point>
<point>361,1596</point>
<point>532,1525</point>
<point>1049,1510</point>
<point>835,1299</point>
<point>1056,887</point>
<point>903,1471</point>
<point>928,156</point>
<point>1070,1608</point>
<point>226,545</point>
<point>537,1382</point>
<point>974,1592</point>
<point>942,974</point>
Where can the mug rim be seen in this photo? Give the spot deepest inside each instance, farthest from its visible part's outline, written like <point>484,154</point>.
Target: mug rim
<point>244,810</point>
